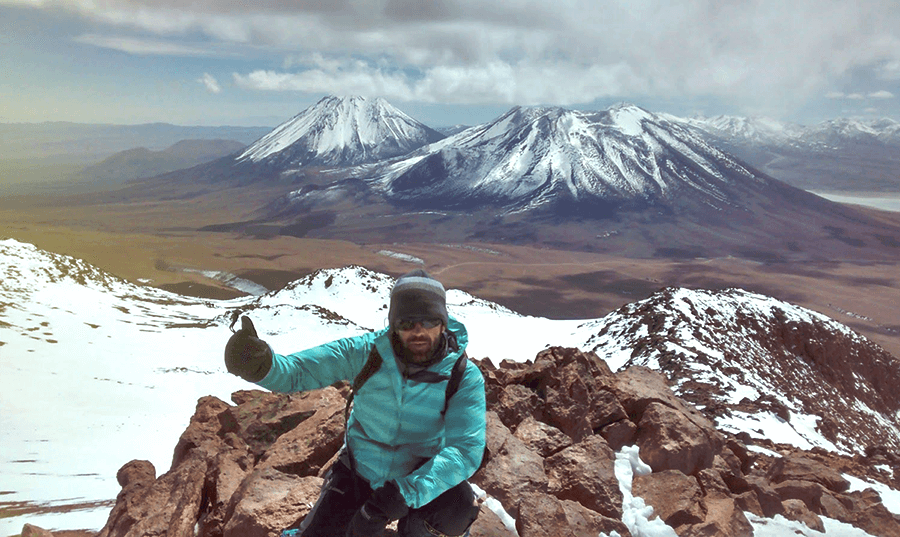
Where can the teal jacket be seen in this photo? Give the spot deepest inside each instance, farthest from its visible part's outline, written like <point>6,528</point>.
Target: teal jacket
<point>396,431</point>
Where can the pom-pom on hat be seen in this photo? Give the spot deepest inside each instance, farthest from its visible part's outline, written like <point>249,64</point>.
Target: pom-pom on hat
<point>417,296</point>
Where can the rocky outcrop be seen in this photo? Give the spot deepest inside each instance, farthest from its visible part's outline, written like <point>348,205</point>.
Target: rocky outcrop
<point>254,467</point>
<point>789,362</point>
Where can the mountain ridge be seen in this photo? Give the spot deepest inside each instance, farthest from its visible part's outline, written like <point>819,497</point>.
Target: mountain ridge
<point>676,331</point>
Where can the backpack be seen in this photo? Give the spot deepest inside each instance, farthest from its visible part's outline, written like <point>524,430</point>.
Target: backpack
<point>373,363</point>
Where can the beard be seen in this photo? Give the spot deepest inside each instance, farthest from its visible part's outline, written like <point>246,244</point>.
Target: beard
<point>419,350</point>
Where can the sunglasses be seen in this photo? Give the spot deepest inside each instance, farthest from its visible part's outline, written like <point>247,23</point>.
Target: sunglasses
<point>409,325</point>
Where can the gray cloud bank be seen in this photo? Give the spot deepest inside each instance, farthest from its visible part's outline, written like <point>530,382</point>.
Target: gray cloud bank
<point>767,54</point>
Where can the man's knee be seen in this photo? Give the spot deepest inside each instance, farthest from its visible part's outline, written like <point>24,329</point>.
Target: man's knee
<point>449,515</point>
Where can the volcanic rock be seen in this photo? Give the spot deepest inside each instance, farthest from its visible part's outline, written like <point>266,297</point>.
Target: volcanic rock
<point>255,467</point>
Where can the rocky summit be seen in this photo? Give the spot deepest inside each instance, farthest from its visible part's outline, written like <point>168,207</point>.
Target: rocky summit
<point>557,428</point>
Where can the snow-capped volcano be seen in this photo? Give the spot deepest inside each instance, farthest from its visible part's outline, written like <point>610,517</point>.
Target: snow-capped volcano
<point>340,131</point>
<point>535,157</point>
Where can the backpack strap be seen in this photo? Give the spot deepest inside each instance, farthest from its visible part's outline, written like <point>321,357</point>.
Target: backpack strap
<point>459,369</point>
<point>373,363</point>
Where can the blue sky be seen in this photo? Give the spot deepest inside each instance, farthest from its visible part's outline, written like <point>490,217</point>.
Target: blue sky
<point>218,62</point>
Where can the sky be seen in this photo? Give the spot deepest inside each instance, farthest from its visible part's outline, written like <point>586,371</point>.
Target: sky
<point>232,62</point>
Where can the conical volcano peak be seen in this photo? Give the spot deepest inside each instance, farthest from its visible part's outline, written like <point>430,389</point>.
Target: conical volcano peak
<point>341,131</point>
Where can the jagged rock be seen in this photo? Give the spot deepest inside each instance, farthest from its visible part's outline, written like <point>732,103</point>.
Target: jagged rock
<point>676,498</point>
<point>512,470</point>
<point>260,418</point>
<point>868,513</point>
<point>619,434</point>
<point>797,510</point>
<point>749,503</point>
<point>33,531</point>
<point>668,441</point>
<point>515,403</point>
<point>488,524</point>
<point>723,519</point>
<point>584,473</point>
<point>578,394</point>
<point>796,468</point>
<point>766,496</point>
<point>545,439</point>
<point>544,515</point>
<point>269,501</point>
<point>305,449</point>
<point>553,426</point>
<point>201,430</point>
<point>807,491</point>
<point>170,505</point>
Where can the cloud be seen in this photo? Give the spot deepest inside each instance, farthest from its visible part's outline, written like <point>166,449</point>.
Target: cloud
<point>889,70</point>
<point>212,85</point>
<point>141,46</point>
<point>522,51</point>
<point>883,94</point>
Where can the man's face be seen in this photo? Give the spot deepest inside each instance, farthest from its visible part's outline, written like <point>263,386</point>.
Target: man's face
<point>419,340</point>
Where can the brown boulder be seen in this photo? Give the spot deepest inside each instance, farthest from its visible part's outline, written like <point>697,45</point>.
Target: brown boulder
<point>749,503</point>
<point>796,468</point>
<point>512,469</point>
<point>676,498</point>
<point>307,448</point>
<point>619,434</point>
<point>798,511</point>
<point>488,524</point>
<point>202,429</point>
<point>670,441</point>
<point>516,403</point>
<point>542,438</point>
<point>544,515</point>
<point>578,392</point>
<point>168,506</point>
<point>808,492</point>
<point>723,519</point>
<point>868,513</point>
<point>766,495</point>
<point>585,473</point>
<point>269,501</point>
<point>260,418</point>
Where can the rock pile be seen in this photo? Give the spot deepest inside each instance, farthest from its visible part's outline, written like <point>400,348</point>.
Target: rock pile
<point>554,426</point>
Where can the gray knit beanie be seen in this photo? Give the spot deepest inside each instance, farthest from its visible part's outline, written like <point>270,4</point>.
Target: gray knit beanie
<point>416,296</point>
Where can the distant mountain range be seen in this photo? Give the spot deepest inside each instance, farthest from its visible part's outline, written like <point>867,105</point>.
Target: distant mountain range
<point>90,143</point>
<point>841,155</point>
<point>143,162</point>
<point>622,179</point>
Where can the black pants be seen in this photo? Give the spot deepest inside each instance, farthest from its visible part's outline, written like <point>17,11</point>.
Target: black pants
<point>344,492</point>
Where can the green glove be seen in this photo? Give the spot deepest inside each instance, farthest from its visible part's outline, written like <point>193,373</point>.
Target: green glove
<point>246,355</point>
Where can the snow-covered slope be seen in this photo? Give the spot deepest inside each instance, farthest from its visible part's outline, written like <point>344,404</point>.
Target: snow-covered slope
<point>340,131</point>
<point>95,371</point>
<point>534,157</point>
<point>750,358</point>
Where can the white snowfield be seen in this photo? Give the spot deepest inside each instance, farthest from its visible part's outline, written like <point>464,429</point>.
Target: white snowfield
<point>96,371</point>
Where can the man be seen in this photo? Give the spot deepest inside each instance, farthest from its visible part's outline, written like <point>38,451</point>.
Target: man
<point>408,449</point>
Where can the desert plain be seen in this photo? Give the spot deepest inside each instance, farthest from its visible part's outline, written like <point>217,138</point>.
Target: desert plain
<point>161,242</point>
